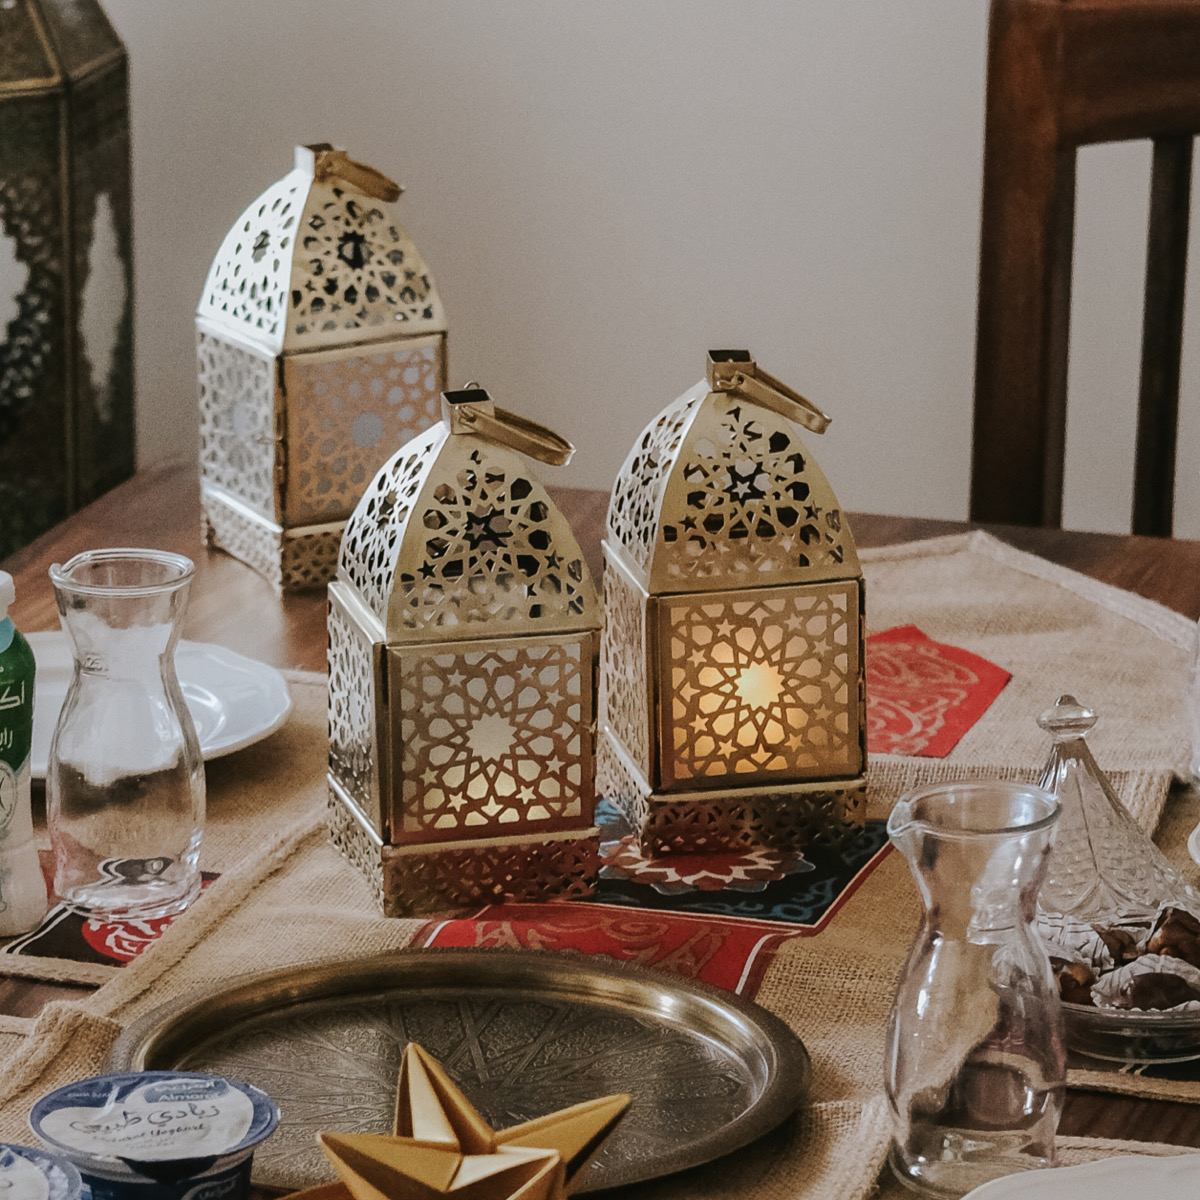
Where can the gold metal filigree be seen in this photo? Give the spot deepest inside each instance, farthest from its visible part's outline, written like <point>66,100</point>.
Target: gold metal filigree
<point>732,693</point>
<point>463,639</point>
<point>321,348</point>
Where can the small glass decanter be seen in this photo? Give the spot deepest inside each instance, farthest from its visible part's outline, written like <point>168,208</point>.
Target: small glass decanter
<point>976,1060</point>
<point>125,782</point>
<point>1105,872</point>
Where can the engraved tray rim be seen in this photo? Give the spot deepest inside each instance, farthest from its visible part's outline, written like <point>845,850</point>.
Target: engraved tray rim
<point>160,1037</point>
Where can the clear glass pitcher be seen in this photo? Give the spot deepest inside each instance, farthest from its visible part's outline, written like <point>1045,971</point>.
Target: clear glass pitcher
<point>125,782</point>
<point>976,1059</point>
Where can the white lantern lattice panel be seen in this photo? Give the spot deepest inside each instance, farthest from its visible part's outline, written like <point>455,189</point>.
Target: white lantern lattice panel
<point>321,347</point>
<point>463,639</point>
<point>732,682</point>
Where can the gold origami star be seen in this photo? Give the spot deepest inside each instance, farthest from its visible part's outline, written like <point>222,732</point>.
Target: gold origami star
<point>442,1147</point>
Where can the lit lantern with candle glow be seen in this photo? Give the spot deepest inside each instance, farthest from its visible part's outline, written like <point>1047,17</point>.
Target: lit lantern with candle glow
<point>321,347</point>
<point>732,707</point>
<point>463,636</point>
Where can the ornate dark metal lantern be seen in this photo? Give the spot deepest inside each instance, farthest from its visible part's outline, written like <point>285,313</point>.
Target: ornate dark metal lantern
<point>321,347</point>
<point>732,706</point>
<point>463,635</point>
<point>66,264</point>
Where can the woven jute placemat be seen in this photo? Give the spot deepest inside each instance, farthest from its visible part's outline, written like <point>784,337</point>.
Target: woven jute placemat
<point>286,897</point>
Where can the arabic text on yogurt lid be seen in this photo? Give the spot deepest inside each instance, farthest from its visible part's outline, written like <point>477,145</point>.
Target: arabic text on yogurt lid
<point>154,1116</point>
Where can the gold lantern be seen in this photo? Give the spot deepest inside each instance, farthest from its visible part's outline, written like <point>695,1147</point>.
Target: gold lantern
<point>66,264</point>
<point>463,635</point>
<point>731,696</point>
<point>321,347</point>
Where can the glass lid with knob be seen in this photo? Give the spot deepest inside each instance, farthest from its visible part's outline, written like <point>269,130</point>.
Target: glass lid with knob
<point>1121,922</point>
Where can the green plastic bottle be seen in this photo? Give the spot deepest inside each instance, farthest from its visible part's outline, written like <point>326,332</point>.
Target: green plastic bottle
<point>22,886</point>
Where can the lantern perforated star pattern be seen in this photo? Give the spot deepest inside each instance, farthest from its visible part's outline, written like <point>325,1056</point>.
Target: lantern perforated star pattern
<point>732,695</point>
<point>463,636</point>
<point>321,347</point>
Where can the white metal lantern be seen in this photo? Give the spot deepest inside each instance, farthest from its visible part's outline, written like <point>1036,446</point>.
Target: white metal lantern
<point>732,707</point>
<point>463,636</point>
<point>321,347</point>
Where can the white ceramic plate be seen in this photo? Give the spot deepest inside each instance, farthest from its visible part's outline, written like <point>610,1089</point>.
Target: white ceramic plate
<point>234,701</point>
<point>1128,1177</point>
<point>1194,844</point>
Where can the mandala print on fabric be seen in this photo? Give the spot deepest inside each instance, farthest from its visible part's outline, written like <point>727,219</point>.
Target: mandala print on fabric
<point>748,871</point>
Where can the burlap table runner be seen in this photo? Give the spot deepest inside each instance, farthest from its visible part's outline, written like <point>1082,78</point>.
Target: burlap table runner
<point>286,897</point>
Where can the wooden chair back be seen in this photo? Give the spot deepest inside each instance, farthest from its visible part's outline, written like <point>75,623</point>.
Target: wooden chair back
<point>1063,74</point>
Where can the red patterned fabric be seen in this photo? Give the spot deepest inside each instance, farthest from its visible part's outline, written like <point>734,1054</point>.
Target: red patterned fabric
<point>729,952</point>
<point>123,940</point>
<point>732,954</point>
<point>66,933</point>
<point>922,695</point>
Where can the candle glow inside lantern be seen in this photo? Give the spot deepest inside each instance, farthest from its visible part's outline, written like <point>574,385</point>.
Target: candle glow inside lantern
<point>732,703</point>
<point>463,638</point>
<point>321,346</point>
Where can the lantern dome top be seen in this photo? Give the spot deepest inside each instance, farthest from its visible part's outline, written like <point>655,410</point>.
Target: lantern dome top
<point>45,43</point>
<point>720,492</point>
<point>455,539</point>
<point>319,260</point>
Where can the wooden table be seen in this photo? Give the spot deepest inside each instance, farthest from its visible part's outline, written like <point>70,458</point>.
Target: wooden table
<point>232,605</point>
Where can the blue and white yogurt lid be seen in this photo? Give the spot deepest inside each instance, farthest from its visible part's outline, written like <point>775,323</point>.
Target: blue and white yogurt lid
<point>153,1116</point>
<point>29,1174</point>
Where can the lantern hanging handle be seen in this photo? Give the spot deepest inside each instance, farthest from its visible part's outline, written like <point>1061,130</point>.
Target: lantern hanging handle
<point>471,410</point>
<point>331,163</point>
<point>735,371</point>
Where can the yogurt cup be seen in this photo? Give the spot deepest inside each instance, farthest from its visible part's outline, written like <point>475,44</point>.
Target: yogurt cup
<point>158,1135</point>
<point>29,1174</point>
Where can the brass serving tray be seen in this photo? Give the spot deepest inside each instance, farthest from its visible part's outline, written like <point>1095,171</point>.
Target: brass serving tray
<point>521,1032</point>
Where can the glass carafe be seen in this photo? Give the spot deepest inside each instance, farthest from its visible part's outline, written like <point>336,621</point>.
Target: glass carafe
<point>976,1062</point>
<point>125,782</point>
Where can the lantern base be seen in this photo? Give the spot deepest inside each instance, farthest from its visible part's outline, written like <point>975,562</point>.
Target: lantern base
<point>411,881</point>
<point>291,559</point>
<point>811,814</point>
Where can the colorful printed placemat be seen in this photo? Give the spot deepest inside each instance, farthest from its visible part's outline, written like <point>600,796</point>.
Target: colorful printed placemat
<point>715,917</point>
<point>65,933</point>
<point>719,918</point>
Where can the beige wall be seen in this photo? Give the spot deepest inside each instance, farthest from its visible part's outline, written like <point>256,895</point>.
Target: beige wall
<point>605,189</point>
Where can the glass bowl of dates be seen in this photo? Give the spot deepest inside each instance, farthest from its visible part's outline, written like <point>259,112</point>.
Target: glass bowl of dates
<point>1133,996</point>
<point>1120,921</point>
